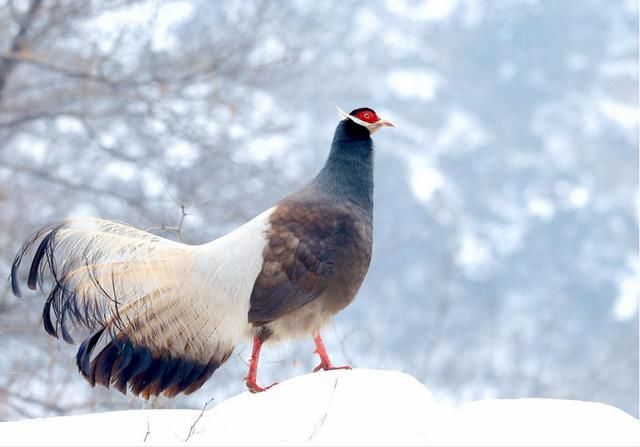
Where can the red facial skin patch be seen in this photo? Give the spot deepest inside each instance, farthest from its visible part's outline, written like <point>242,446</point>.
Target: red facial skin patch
<point>368,116</point>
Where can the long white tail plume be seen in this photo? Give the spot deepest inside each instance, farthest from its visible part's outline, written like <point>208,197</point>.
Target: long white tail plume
<point>161,311</point>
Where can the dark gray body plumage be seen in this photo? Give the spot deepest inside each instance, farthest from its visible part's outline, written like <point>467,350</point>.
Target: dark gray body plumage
<point>319,242</point>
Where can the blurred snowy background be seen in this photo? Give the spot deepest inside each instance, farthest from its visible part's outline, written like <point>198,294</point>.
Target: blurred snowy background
<point>506,227</point>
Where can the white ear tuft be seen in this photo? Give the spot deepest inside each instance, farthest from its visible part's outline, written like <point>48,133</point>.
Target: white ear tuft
<point>343,114</point>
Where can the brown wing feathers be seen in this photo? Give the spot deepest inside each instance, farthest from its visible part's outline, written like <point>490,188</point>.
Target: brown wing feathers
<point>299,258</point>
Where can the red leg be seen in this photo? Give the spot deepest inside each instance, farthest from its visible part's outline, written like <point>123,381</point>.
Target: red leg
<point>325,362</point>
<point>252,375</point>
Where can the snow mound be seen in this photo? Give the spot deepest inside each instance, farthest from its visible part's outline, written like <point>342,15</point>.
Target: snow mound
<point>537,422</point>
<point>358,407</point>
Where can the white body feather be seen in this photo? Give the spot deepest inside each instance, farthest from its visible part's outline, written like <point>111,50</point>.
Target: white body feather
<point>227,269</point>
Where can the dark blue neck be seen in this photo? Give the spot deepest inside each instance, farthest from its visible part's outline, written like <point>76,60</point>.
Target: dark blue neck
<point>348,172</point>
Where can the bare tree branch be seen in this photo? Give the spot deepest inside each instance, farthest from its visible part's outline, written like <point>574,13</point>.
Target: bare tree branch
<point>18,43</point>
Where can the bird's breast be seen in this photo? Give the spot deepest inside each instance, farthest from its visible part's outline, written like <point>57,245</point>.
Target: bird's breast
<point>351,261</point>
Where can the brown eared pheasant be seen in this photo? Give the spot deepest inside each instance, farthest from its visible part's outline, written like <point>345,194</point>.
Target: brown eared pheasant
<point>162,316</point>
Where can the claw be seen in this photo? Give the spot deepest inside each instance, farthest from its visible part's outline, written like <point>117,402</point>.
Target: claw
<point>255,388</point>
<point>330,367</point>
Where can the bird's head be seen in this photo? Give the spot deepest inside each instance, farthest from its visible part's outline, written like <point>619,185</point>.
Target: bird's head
<point>366,118</point>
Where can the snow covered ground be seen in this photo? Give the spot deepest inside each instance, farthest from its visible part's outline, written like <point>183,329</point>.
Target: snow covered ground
<point>361,407</point>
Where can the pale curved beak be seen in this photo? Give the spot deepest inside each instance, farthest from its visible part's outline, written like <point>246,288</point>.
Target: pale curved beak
<point>385,123</point>
<point>382,122</point>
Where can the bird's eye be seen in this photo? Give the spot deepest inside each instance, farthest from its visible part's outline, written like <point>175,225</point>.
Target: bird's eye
<point>367,116</point>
